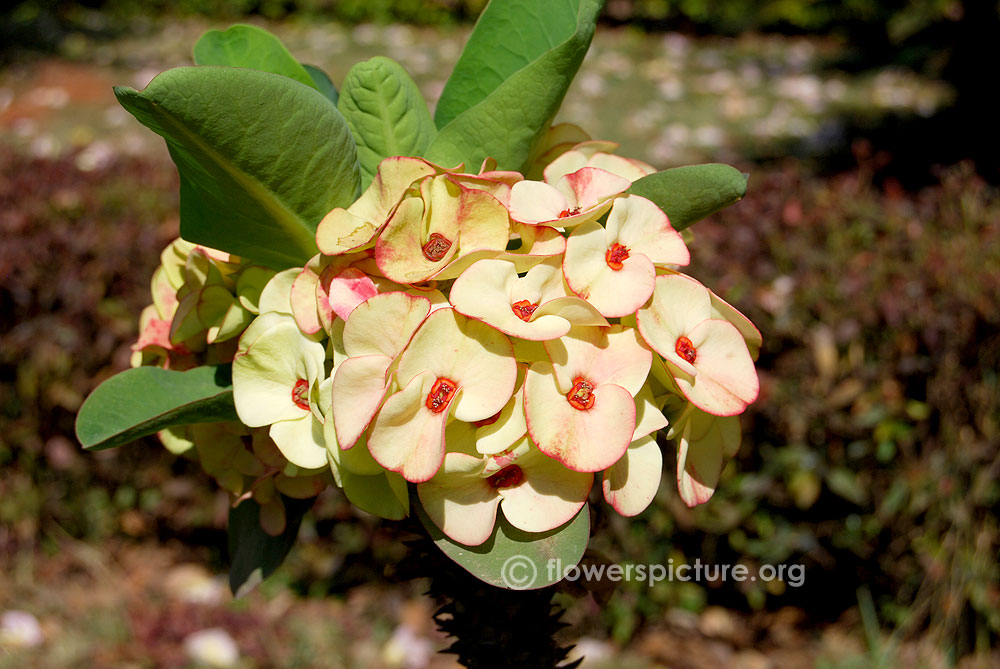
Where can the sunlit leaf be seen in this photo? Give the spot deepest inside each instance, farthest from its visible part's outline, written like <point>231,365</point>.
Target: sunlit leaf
<point>144,400</point>
<point>250,47</point>
<point>386,112</point>
<point>689,194</point>
<point>510,80</point>
<point>261,158</point>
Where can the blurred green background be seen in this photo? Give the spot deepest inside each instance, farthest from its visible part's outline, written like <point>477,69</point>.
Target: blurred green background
<point>867,251</point>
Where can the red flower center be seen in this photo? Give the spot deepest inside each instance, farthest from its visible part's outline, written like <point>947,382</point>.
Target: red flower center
<point>686,349</point>
<point>616,255</point>
<point>299,394</point>
<point>582,395</point>
<point>523,309</point>
<point>440,395</point>
<point>566,213</point>
<point>508,477</point>
<point>435,248</point>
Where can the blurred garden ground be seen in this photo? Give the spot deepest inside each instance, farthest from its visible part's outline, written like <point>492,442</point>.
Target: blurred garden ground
<point>869,260</point>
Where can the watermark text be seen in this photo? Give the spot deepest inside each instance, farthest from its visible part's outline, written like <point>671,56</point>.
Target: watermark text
<point>791,574</point>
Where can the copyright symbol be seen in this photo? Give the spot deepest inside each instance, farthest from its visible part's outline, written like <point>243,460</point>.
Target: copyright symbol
<point>518,572</point>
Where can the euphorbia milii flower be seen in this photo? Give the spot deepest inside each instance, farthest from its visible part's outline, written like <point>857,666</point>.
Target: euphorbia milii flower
<point>358,227</point>
<point>727,312</point>
<point>207,308</point>
<point>201,296</point>
<point>329,287</point>
<point>704,444</point>
<point>153,345</point>
<point>580,406</point>
<point>596,153</point>
<point>276,381</point>
<point>442,232</point>
<point>536,493</point>
<point>164,294</point>
<point>491,180</point>
<point>535,306</point>
<point>575,198</point>
<point>375,334</point>
<point>614,268</point>
<point>495,434</point>
<point>537,244</point>
<point>453,366</point>
<point>174,261</point>
<point>355,228</point>
<point>341,290</point>
<point>707,356</point>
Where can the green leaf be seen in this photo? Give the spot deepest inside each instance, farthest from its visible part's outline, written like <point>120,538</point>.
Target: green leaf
<point>261,158</point>
<point>689,194</point>
<point>508,36</point>
<point>144,400</point>
<point>510,80</point>
<point>253,553</point>
<point>512,558</point>
<point>257,49</point>
<point>386,113</point>
<point>250,47</point>
<point>322,82</point>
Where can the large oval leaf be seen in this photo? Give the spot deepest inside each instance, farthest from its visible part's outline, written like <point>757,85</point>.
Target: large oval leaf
<point>251,47</point>
<point>144,400</point>
<point>514,559</point>
<point>508,36</point>
<point>527,53</point>
<point>253,553</point>
<point>261,158</point>
<point>386,113</point>
<point>689,194</point>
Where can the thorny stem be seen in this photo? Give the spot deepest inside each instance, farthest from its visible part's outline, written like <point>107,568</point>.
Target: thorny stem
<point>492,627</point>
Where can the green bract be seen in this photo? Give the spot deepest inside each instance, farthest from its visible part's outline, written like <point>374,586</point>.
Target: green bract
<point>475,316</point>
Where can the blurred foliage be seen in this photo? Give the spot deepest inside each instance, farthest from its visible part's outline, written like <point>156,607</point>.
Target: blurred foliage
<point>940,39</point>
<point>903,18</point>
<point>900,18</point>
<point>943,39</point>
